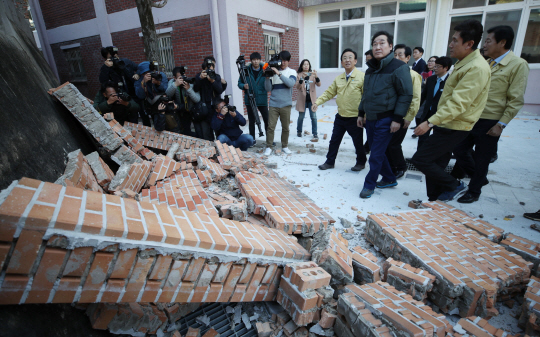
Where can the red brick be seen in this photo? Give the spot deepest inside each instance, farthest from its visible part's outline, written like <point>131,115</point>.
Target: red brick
<point>46,274</point>
<point>96,277</point>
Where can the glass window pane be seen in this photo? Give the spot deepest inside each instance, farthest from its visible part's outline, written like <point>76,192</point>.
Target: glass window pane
<point>496,2</point>
<point>354,13</point>
<point>454,22</point>
<point>412,6</point>
<point>387,26</point>
<point>329,16</point>
<point>531,44</point>
<point>353,37</point>
<point>329,48</point>
<point>468,3</point>
<point>507,18</point>
<point>383,10</point>
<point>410,33</point>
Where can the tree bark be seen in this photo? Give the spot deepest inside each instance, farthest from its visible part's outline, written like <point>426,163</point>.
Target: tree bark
<point>150,38</point>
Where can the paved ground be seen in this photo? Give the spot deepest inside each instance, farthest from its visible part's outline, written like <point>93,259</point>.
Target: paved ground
<point>514,178</point>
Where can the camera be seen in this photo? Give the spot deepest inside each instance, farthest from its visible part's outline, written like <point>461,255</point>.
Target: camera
<point>210,73</point>
<point>275,62</point>
<point>124,96</point>
<point>169,106</point>
<point>190,80</point>
<point>113,51</point>
<point>229,107</point>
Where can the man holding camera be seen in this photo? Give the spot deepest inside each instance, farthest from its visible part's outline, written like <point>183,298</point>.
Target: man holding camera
<point>227,121</point>
<point>181,91</point>
<point>107,100</point>
<point>210,86</point>
<point>256,74</point>
<point>151,86</point>
<point>280,86</point>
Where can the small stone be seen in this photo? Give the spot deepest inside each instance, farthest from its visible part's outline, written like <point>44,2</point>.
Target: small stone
<point>314,140</point>
<point>306,132</point>
<point>481,216</point>
<point>349,230</point>
<point>522,203</point>
<point>271,165</point>
<point>405,193</point>
<point>325,136</point>
<point>354,208</point>
<point>509,303</point>
<point>297,186</point>
<point>306,185</point>
<point>347,236</point>
<point>310,146</point>
<point>278,151</point>
<point>312,150</point>
<point>298,152</point>
<point>360,218</point>
<point>345,223</point>
<point>510,216</point>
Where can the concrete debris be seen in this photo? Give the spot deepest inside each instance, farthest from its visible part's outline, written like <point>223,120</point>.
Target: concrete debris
<point>246,321</point>
<point>330,251</point>
<point>203,320</point>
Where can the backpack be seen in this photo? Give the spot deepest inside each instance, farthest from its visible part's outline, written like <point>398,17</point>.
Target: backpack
<point>200,111</point>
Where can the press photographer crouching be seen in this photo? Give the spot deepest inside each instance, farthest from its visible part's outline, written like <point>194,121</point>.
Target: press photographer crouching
<point>226,122</point>
<point>165,117</point>
<point>181,91</point>
<point>120,104</point>
<point>210,86</point>
<point>150,86</point>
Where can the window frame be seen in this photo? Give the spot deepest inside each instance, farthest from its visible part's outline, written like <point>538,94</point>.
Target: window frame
<point>68,49</point>
<point>367,22</point>
<point>525,6</point>
<point>166,71</point>
<point>273,34</point>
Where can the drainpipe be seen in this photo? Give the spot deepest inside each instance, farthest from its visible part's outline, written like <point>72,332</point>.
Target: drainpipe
<point>435,28</point>
<point>216,35</point>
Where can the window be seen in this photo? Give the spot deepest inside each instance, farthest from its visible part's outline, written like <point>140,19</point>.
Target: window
<point>531,44</point>
<point>353,28</point>
<point>468,3</point>
<point>74,60</point>
<point>166,56</point>
<point>271,42</point>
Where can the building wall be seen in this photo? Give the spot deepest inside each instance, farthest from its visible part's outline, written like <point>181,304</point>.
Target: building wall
<point>114,6</point>
<point>92,62</point>
<point>290,4</point>
<point>60,13</point>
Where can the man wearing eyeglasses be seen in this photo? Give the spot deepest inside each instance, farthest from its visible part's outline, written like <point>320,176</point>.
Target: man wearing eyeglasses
<point>388,93</point>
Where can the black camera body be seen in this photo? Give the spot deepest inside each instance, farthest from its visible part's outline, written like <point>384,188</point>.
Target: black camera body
<point>190,80</point>
<point>229,107</point>
<point>122,94</point>
<point>275,62</point>
<point>210,73</point>
<point>169,106</point>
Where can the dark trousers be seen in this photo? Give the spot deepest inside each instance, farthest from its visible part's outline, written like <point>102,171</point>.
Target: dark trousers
<point>394,152</point>
<point>251,118</point>
<point>185,123</point>
<point>378,134</point>
<point>476,163</point>
<point>433,157</point>
<point>342,125</point>
<point>203,130</point>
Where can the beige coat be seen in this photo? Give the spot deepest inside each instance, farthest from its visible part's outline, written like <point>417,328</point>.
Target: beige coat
<point>301,97</point>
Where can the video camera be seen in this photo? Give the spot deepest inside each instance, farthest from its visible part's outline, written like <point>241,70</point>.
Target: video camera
<point>275,62</point>
<point>117,62</point>
<point>169,105</point>
<point>226,100</point>
<point>190,80</point>
<point>210,73</point>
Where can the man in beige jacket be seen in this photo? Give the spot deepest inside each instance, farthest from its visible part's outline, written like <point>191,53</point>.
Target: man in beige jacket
<point>348,87</point>
<point>462,102</point>
<point>509,75</point>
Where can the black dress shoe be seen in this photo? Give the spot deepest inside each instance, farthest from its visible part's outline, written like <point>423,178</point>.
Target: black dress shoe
<point>467,198</point>
<point>493,159</point>
<point>399,174</point>
<point>414,136</point>
<point>326,166</point>
<point>358,167</point>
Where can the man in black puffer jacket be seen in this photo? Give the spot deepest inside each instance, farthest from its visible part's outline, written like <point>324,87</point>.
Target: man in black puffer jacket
<point>388,93</point>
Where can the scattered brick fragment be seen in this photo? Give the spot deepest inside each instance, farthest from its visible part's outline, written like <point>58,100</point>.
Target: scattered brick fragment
<point>79,173</point>
<point>366,269</point>
<point>413,281</point>
<point>131,176</point>
<point>530,314</point>
<point>479,327</point>
<point>329,250</point>
<point>101,170</point>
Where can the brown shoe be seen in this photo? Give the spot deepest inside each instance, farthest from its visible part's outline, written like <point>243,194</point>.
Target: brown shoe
<point>358,167</point>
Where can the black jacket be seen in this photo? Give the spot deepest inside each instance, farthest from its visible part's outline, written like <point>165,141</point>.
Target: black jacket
<point>227,125</point>
<point>430,108</point>
<point>209,91</point>
<point>420,66</point>
<point>120,76</point>
<point>388,90</point>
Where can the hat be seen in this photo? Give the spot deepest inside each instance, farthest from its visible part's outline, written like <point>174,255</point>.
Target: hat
<point>143,67</point>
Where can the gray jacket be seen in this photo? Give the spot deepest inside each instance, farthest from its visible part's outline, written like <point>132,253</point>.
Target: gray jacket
<point>281,88</point>
<point>193,97</point>
<point>388,90</point>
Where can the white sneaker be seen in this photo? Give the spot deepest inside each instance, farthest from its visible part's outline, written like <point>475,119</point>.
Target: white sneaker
<point>286,150</point>
<point>268,151</point>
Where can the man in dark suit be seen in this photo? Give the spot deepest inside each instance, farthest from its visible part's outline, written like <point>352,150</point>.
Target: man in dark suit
<point>419,64</point>
<point>432,92</point>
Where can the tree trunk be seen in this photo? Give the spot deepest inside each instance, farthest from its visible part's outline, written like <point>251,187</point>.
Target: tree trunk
<point>150,38</point>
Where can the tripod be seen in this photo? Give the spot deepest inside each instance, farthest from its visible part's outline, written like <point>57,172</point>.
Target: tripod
<point>244,75</point>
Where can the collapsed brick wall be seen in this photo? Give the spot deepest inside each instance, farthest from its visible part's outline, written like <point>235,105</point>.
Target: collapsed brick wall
<point>63,244</point>
<point>471,270</point>
<point>530,311</point>
<point>56,14</point>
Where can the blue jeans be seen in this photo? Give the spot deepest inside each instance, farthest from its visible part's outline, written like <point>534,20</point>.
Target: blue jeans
<point>243,142</point>
<point>313,116</point>
<point>379,136</point>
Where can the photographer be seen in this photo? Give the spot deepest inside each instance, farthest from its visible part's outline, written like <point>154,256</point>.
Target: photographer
<point>256,74</point>
<point>107,100</point>
<point>185,97</point>
<point>151,85</point>
<point>280,86</point>
<point>210,86</point>
<point>305,84</point>
<point>227,121</point>
<point>164,118</point>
